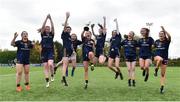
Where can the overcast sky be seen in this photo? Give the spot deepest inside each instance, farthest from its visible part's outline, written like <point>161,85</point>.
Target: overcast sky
<point>19,15</point>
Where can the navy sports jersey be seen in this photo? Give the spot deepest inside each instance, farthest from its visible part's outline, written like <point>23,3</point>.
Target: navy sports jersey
<point>100,41</point>
<point>47,40</point>
<point>87,47</point>
<point>115,44</point>
<point>161,48</point>
<point>23,51</point>
<point>100,44</point>
<point>145,45</point>
<point>67,44</point>
<point>129,47</point>
<point>75,44</point>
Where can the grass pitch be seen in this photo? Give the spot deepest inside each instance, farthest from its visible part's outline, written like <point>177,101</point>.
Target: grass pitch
<point>102,86</point>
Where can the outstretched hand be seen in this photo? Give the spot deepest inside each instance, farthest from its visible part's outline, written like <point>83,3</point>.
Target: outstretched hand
<point>162,28</point>
<point>104,17</point>
<point>92,25</point>
<point>115,20</point>
<point>67,14</point>
<point>48,16</point>
<point>15,35</point>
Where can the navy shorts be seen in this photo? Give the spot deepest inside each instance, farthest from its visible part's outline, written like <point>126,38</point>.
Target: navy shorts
<point>98,52</point>
<point>114,53</point>
<point>47,54</point>
<point>145,57</point>
<point>86,55</point>
<point>165,62</point>
<point>67,53</point>
<point>130,58</point>
<point>23,61</point>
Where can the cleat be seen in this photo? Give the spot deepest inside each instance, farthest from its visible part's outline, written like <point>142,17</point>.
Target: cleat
<point>52,79</point>
<point>129,82</point>
<point>27,87</point>
<point>116,75</point>
<point>19,89</point>
<point>146,77</point>
<point>162,89</point>
<point>121,76</point>
<point>55,69</point>
<point>144,72</point>
<point>92,67</point>
<point>134,83</point>
<point>156,72</point>
<point>64,82</point>
<point>47,84</point>
<point>86,85</point>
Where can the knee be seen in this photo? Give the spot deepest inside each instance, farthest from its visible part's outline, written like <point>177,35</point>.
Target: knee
<point>19,73</point>
<point>109,65</point>
<point>101,59</point>
<point>117,66</point>
<point>162,74</point>
<point>133,69</point>
<point>141,66</point>
<point>129,70</point>
<point>91,55</point>
<point>51,65</point>
<point>26,72</point>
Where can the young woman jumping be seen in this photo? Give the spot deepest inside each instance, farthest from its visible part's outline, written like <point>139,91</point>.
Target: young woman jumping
<point>129,45</point>
<point>87,52</point>
<point>145,52</point>
<point>75,43</point>
<point>161,55</point>
<point>47,52</point>
<point>23,54</point>
<point>100,41</point>
<point>114,54</point>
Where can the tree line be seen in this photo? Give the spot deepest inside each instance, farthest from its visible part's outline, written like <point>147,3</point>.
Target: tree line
<point>35,57</point>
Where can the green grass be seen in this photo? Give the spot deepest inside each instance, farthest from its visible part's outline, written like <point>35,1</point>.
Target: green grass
<point>102,87</point>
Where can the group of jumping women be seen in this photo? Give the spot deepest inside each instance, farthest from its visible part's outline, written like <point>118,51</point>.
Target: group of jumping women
<point>93,52</point>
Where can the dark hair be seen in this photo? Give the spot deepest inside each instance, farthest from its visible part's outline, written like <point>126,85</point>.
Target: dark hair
<point>164,34</point>
<point>68,27</point>
<point>86,28</point>
<point>125,36</point>
<point>24,32</point>
<point>147,31</point>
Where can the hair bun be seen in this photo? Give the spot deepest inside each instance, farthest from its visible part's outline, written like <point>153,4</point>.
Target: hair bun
<point>86,28</point>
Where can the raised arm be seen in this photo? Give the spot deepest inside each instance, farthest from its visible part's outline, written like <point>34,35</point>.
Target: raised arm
<point>117,26</point>
<point>13,40</point>
<point>92,28</point>
<point>52,24</point>
<point>104,20</point>
<point>66,21</point>
<point>104,26</point>
<point>44,24</point>
<point>167,34</point>
<point>39,30</point>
